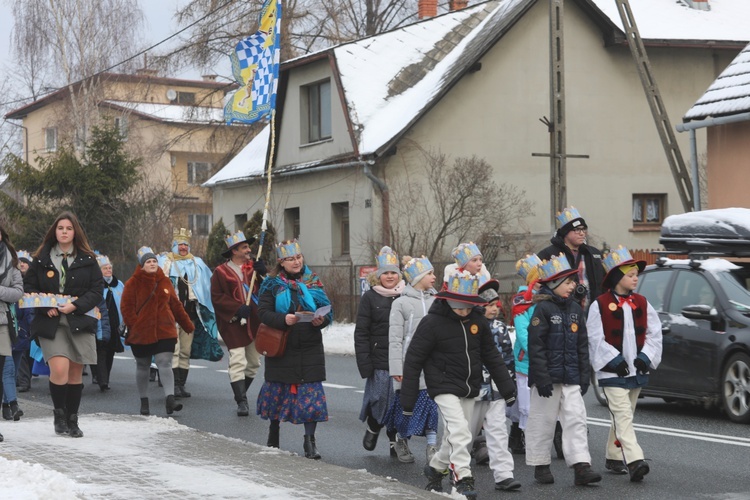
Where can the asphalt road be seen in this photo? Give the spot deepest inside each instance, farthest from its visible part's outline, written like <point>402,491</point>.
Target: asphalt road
<point>694,453</point>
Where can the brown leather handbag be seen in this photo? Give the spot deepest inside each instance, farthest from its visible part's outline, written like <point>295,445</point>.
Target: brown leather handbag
<point>270,342</point>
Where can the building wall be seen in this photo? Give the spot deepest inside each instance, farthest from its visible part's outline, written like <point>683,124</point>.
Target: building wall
<point>728,165</point>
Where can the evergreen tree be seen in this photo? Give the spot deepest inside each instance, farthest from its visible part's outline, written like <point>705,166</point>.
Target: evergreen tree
<point>252,229</point>
<point>216,245</point>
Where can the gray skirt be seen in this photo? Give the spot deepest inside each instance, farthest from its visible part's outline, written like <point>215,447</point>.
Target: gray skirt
<point>77,347</point>
<point>5,347</point>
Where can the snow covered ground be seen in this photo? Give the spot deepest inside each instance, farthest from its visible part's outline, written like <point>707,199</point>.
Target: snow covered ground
<point>22,480</point>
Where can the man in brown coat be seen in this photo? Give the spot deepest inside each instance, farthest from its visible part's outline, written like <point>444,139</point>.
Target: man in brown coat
<point>238,321</point>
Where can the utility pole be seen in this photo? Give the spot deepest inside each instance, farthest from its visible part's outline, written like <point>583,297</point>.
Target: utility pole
<point>556,125</point>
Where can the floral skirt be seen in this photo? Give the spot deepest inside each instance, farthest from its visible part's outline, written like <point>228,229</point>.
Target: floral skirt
<point>295,403</point>
<point>424,417</point>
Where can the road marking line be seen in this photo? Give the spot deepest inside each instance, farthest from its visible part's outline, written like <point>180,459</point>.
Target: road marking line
<point>666,431</point>
<point>338,386</point>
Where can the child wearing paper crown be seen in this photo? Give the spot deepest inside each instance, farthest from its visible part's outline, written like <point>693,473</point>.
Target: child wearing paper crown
<point>406,313</point>
<point>371,344</point>
<point>467,257</point>
<point>450,345</point>
<point>521,314</point>
<point>558,375</point>
<point>625,342</point>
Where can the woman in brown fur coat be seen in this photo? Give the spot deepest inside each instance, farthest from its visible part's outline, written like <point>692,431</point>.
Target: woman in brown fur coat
<point>150,308</point>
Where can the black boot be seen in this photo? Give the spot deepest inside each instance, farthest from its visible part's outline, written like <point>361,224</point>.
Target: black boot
<point>584,474</point>
<point>73,402</point>
<point>372,431</point>
<point>240,398</point>
<point>61,422</point>
<point>392,442</point>
<point>6,412</point>
<point>172,406</point>
<point>310,450</point>
<point>516,441</point>
<point>152,374</point>
<point>183,380</point>
<point>73,430</point>
<point>557,441</point>
<point>15,412</point>
<point>144,407</point>
<point>273,435</point>
<point>180,374</point>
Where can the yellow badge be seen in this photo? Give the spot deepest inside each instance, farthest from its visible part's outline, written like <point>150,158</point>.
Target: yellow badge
<point>474,329</point>
<point>166,291</point>
<point>612,306</point>
<point>574,327</point>
<point>50,274</point>
<point>535,322</point>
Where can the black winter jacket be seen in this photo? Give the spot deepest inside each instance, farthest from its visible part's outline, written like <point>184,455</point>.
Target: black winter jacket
<point>451,350</point>
<point>558,342</point>
<point>84,280</point>
<point>371,332</point>
<point>304,359</point>
<point>591,256</point>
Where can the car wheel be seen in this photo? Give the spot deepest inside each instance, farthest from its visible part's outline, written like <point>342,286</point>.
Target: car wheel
<point>735,388</point>
<point>598,391</point>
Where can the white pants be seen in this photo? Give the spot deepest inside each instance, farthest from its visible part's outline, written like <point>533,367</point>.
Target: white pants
<point>621,403</point>
<point>243,362</point>
<point>523,399</point>
<point>491,415</point>
<point>454,450</point>
<point>181,356</point>
<point>566,403</point>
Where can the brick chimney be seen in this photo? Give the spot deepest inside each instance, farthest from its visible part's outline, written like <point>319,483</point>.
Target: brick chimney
<point>427,8</point>
<point>698,4</point>
<point>457,4</point>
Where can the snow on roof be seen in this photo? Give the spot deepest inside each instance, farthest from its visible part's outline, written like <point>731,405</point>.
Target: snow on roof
<point>729,94</point>
<point>727,20</point>
<point>723,222</point>
<point>251,161</point>
<point>175,113</point>
<point>713,266</point>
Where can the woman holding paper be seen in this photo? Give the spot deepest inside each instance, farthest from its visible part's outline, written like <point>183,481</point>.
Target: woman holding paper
<point>292,298</point>
<point>65,264</point>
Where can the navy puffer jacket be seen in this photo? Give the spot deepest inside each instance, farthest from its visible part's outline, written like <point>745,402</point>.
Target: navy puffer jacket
<point>558,342</point>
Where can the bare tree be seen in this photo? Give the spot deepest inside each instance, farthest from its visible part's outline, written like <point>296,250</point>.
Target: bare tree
<point>456,200</point>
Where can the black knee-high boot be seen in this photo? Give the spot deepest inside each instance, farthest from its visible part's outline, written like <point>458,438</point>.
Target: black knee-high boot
<point>73,402</point>
<point>59,395</point>
<point>273,434</point>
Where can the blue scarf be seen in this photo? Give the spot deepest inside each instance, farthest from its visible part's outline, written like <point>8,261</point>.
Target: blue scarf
<point>309,289</point>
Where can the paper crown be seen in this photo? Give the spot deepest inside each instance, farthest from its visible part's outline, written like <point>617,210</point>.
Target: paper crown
<point>568,214</point>
<point>463,283</point>
<point>288,250</point>
<point>555,268</point>
<point>387,257</point>
<point>103,260</point>
<point>144,251</point>
<point>616,258</point>
<point>416,266</point>
<point>24,255</point>
<point>234,239</point>
<point>529,267</point>
<point>464,252</point>
<point>182,235</point>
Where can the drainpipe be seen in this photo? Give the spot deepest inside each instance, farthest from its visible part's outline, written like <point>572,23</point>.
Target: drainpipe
<point>692,127</point>
<point>385,199</point>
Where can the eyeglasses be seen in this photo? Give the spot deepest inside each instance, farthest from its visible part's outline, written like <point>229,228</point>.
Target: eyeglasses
<point>292,259</point>
<point>581,230</point>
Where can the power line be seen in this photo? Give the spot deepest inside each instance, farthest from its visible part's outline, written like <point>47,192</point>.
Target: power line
<point>139,54</point>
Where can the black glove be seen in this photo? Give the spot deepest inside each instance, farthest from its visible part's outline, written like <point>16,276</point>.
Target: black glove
<point>510,400</point>
<point>260,267</point>
<point>544,391</point>
<point>622,369</point>
<point>640,366</point>
<point>244,311</point>
<point>584,389</point>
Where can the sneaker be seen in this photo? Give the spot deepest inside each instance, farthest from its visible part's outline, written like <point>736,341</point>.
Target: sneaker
<point>465,487</point>
<point>615,466</point>
<point>637,470</point>
<point>430,452</point>
<point>543,475</point>
<point>434,479</point>
<point>403,452</point>
<point>509,484</point>
<point>584,474</point>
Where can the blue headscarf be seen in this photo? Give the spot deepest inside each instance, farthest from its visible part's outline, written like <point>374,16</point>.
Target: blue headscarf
<point>310,292</point>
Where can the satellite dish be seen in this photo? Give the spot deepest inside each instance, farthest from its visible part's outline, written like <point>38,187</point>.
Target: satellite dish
<point>171,94</point>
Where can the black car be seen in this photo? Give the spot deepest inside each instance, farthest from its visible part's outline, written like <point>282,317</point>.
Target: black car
<point>703,302</point>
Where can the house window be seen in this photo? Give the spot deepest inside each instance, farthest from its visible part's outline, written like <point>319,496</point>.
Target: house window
<point>121,124</point>
<point>239,221</point>
<point>200,224</point>
<point>319,111</point>
<point>340,228</point>
<point>197,172</point>
<point>291,223</point>
<point>50,139</point>
<point>186,98</point>
<point>648,209</point>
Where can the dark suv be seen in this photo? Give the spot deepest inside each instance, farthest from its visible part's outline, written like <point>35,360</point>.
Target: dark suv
<point>704,306</point>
